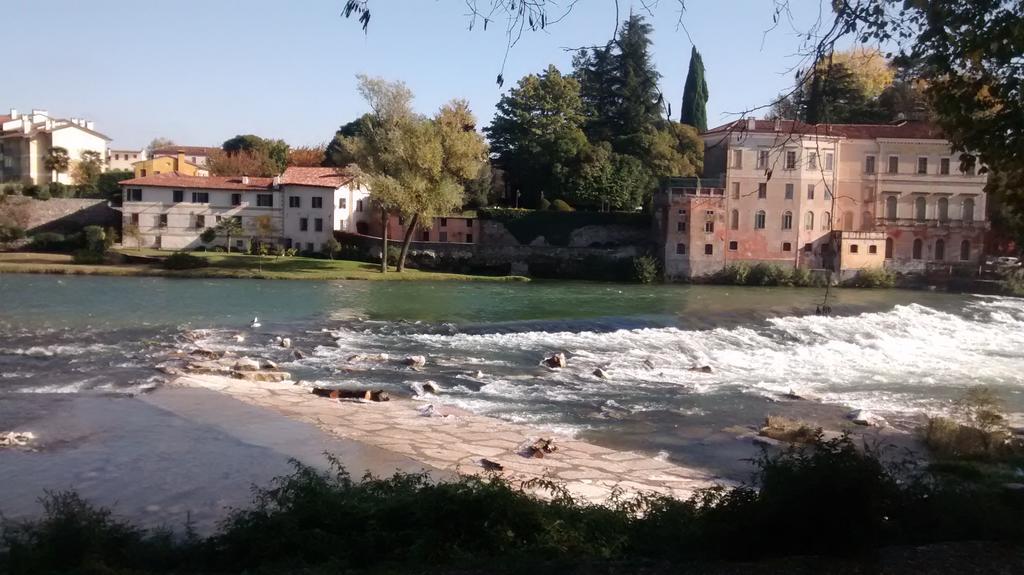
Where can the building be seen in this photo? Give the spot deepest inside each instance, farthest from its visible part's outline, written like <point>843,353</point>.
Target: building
<point>122,160</point>
<point>196,155</point>
<point>778,189</point>
<point>451,229</point>
<point>26,140</point>
<point>158,165</point>
<point>302,208</point>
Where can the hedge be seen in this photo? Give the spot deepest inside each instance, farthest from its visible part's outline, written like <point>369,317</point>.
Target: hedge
<point>557,227</point>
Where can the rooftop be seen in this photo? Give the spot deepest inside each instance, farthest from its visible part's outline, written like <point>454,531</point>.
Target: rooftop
<point>177,180</point>
<point>320,177</point>
<point>187,150</point>
<point>905,130</point>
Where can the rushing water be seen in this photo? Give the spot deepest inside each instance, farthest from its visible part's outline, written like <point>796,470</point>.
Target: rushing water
<point>895,352</point>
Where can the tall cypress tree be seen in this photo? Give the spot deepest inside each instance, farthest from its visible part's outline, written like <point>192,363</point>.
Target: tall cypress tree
<point>695,94</point>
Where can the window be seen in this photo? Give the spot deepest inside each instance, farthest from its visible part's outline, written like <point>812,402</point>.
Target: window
<point>443,237</point>
<point>809,221</point>
<point>681,226</point>
<point>134,194</point>
<point>828,193</point>
<point>303,224</point>
<point>318,225</point>
<point>425,236</point>
<point>735,190</point>
<point>944,166</point>
<point>789,191</point>
<point>890,208</point>
<point>709,227</point>
<point>787,220</point>
<point>867,222</point>
<point>968,210</point>
<point>239,244</point>
<point>916,253</point>
<point>894,164</point>
<point>762,190</point>
<point>469,222</point>
<point>808,248</point>
<point>759,218</point>
<point>179,196</point>
<point>787,247</point>
<point>135,219</point>
<point>200,197</point>
<point>922,165</point>
<point>826,221</point>
<point>294,202</point>
<point>920,207</point>
<point>872,249</point>
<point>218,219</point>
<point>200,221</point>
<point>965,250</point>
<point>734,220</point>
<point>733,246</point>
<point>342,203</point>
<point>161,220</point>
<point>943,209</point>
<point>737,159</point>
<point>847,221</point>
<point>265,200</point>
<point>236,199</point>
<point>940,249</point>
<point>681,212</point>
<point>830,161</point>
<point>469,238</point>
<point>709,249</point>
<point>318,202</point>
<point>309,246</point>
<point>444,222</point>
<point>810,191</point>
<point>812,160</point>
<point>967,170</point>
<point>359,205</point>
<point>854,248</point>
<point>762,159</point>
<point>790,160</point>
<point>142,172</point>
<point>681,249</point>
<point>869,165</point>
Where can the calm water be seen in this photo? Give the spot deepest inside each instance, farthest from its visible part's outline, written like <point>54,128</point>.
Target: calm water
<point>900,353</point>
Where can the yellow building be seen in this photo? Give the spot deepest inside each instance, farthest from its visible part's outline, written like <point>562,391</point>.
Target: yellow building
<point>168,165</point>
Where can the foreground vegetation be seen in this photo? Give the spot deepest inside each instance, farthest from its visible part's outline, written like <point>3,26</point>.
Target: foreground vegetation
<point>826,498</point>
<point>224,265</point>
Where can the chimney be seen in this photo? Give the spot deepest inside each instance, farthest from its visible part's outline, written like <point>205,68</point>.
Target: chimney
<point>14,113</point>
<point>277,182</point>
<point>178,165</point>
<point>751,124</point>
<point>90,125</point>
<point>245,180</point>
<point>778,124</point>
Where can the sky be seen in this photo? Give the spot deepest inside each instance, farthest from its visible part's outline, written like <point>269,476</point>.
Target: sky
<point>201,71</point>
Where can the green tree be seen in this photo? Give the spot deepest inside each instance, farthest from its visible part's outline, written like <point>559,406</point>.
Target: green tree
<point>274,151</point>
<point>333,247</point>
<point>335,154</point>
<point>86,173</point>
<point>480,190</point>
<point>131,231</point>
<point>208,236</point>
<point>57,161</point>
<point>157,143</point>
<point>229,227</point>
<point>695,95</point>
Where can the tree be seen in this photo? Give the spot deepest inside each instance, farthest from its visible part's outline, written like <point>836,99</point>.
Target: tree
<point>307,156</point>
<point>208,236</point>
<point>229,227</point>
<point>158,143</point>
<point>695,95</point>
<point>480,190</point>
<point>266,229</point>
<point>272,153</point>
<point>57,161</point>
<point>335,154</point>
<point>86,172</point>
<point>241,163</point>
<point>333,247</point>
<point>132,231</point>
<point>107,186</point>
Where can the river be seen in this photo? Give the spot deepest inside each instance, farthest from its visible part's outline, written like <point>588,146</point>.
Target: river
<point>897,353</point>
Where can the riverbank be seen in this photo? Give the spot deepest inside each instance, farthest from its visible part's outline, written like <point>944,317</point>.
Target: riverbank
<point>223,265</point>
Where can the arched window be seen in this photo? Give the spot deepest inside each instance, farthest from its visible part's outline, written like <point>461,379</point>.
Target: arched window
<point>734,220</point>
<point>890,208</point>
<point>809,221</point>
<point>867,223</point>
<point>918,245</point>
<point>826,221</point>
<point>759,219</point>
<point>968,210</point>
<point>965,250</point>
<point>787,220</point>
<point>888,248</point>
<point>940,249</point>
<point>848,221</point>
<point>943,209</point>
<point>920,205</point>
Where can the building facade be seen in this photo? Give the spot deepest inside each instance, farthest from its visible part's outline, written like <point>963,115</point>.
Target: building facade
<point>196,155</point>
<point>301,208</point>
<point>451,229</point>
<point>778,189</point>
<point>26,140</point>
<point>122,160</point>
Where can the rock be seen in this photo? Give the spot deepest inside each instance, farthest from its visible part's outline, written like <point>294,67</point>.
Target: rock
<point>415,361</point>
<point>297,354</point>
<point>262,376</point>
<point>286,342</point>
<point>206,353</point>
<point>556,361</point>
<point>793,395</point>
<point>540,447</point>
<point>865,417</point>
<point>478,374</point>
<point>246,364</point>
<point>16,438</point>
<point>368,395</point>
<point>431,387</point>
<point>239,337</point>
<point>491,465</point>
<point>1013,486</point>
<point>702,369</point>
<point>648,364</point>
<point>424,388</point>
<point>600,373</point>
<point>427,410</point>
<point>765,441</point>
<point>267,364</point>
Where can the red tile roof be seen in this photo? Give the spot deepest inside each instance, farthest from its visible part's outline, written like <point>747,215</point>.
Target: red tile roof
<point>188,150</point>
<point>907,130</point>
<point>5,118</point>
<point>177,180</point>
<point>320,177</point>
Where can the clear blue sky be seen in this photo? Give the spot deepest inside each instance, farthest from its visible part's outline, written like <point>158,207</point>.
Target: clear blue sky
<point>201,71</point>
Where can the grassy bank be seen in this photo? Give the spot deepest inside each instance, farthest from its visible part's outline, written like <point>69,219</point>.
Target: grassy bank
<point>831,499</point>
<point>222,265</point>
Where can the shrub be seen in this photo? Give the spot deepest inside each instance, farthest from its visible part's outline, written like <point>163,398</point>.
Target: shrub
<point>10,234</point>
<point>87,256</point>
<point>789,430</point>
<point>557,227</point>
<point>394,252</point>
<point>544,205</point>
<point>980,430</point>
<point>645,269</point>
<point>218,249</point>
<point>184,261</point>
<point>42,193</point>
<point>32,191</point>
<point>561,205</point>
<point>95,237</point>
<point>1015,282</point>
<point>735,274</point>
<point>872,278</point>
<point>53,242</point>
<point>208,236</point>
<point>290,252</point>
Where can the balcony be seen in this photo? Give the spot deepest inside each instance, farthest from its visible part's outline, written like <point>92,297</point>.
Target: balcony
<point>930,223</point>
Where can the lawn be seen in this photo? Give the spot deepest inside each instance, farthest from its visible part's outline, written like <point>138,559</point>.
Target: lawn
<point>223,265</point>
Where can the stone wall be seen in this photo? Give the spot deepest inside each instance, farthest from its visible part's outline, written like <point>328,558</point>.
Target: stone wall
<point>58,214</point>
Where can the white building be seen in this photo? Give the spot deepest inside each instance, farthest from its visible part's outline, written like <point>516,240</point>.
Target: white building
<point>26,140</point>
<point>301,208</point>
<point>122,160</point>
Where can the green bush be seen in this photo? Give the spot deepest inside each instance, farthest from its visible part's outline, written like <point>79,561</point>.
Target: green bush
<point>55,242</point>
<point>645,269</point>
<point>184,261</point>
<point>208,236</point>
<point>557,227</point>
<point>32,191</point>
<point>543,204</point>
<point>1015,282</point>
<point>872,278</point>
<point>10,234</point>
<point>42,193</point>
<point>95,237</point>
<point>87,256</point>
<point>561,205</point>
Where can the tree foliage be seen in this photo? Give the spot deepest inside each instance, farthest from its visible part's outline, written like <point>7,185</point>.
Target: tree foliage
<point>335,154</point>
<point>695,95</point>
<point>57,160</point>
<point>268,156</point>
<point>86,172</point>
<point>307,156</point>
